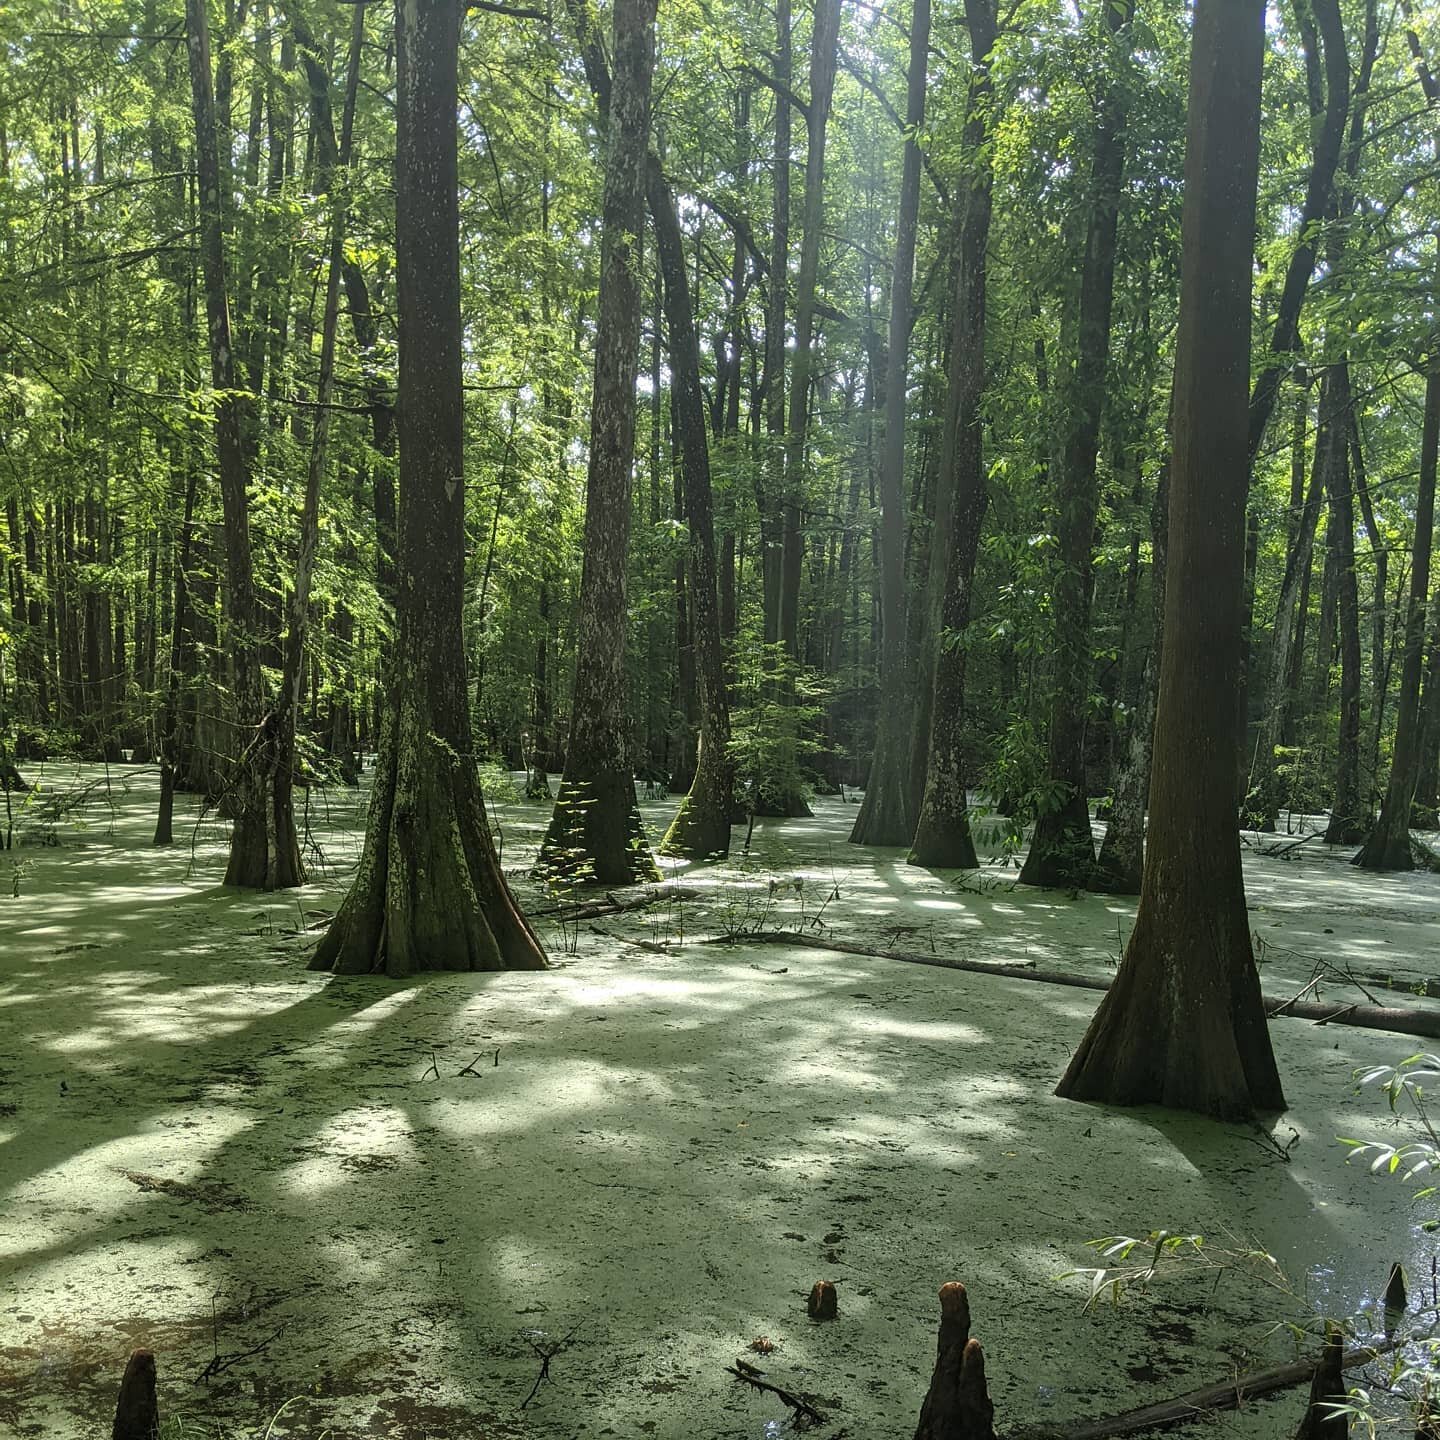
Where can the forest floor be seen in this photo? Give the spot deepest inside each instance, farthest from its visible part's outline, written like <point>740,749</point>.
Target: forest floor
<point>375,1207</point>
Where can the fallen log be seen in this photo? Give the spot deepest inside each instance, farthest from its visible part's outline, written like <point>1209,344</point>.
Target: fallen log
<point>1229,1395</point>
<point>1399,1019</point>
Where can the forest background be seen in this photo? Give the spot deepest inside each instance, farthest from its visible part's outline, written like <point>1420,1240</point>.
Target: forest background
<point>965,375</point>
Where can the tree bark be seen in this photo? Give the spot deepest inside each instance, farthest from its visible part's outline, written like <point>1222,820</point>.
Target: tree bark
<point>824,53</point>
<point>1062,852</point>
<point>1388,846</point>
<point>254,841</point>
<point>770,479</point>
<point>701,827</point>
<point>1348,821</point>
<point>596,831</point>
<point>1264,799</point>
<point>942,830</point>
<point>1120,866</point>
<point>1183,1024</point>
<point>289,868</point>
<point>887,816</point>
<point>429,893</point>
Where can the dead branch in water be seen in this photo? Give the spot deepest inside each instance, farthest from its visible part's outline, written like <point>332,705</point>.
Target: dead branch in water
<point>805,1412</point>
<point>1198,1404</point>
<point>1401,1020</point>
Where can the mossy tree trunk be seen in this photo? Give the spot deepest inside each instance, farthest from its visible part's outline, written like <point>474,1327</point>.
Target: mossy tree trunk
<point>701,827</point>
<point>595,831</point>
<point>1061,850</point>
<point>942,831</point>
<point>887,816</point>
<point>429,893</point>
<point>1183,1025</point>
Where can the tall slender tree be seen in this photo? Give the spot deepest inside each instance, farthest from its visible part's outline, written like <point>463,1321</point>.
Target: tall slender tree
<point>701,827</point>
<point>595,829</point>
<point>1061,851</point>
<point>887,816</point>
<point>1388,846</point>
<point>1183,1025</point>
<point>942,831</point>
<point>264,853</point>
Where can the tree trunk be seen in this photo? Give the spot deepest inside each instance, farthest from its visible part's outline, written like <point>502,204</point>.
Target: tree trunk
<point>1380,557</point>
<point>1120,866</point>
<point>701,827</point>
<point>1183,1024</point>
<point>1388,847</point>
<point>1327,65</point>
<point>289,868</point>
<point>1061,851</point>
<point>824,52</point>
<point>1329,108</point>
<point>1265,793</point>
<point>429,893</point>
<point>942,831</point>
<point>181,649</point>
<point>1348,821</point>
<point>596,830</point>
<point>254,842</point>
<point>770,479</point>
<point>886,816</point>
<point>1423,813</point>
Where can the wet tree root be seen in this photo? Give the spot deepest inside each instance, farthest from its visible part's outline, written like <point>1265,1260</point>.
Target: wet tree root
<point>1401,1020</point>
<point>137,1416</point>
<point>957,1405</point>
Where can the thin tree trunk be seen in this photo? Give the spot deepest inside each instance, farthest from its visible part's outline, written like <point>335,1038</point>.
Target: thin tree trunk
<point>253,839</point>
<point>288,867</point>
<point>1327,65</point>
<point>1120,866</point>
<point>1380,558</point>
<point>770,478</point>
<point>1388,846</point>
<point>1264,798</point>
<point>942,830</point>
<point>1348,821</point>
<point>824,52</point>
<point>887,816</point>
<point>181,653</point>
<point>701,827</point>
<point>1329,109</point>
